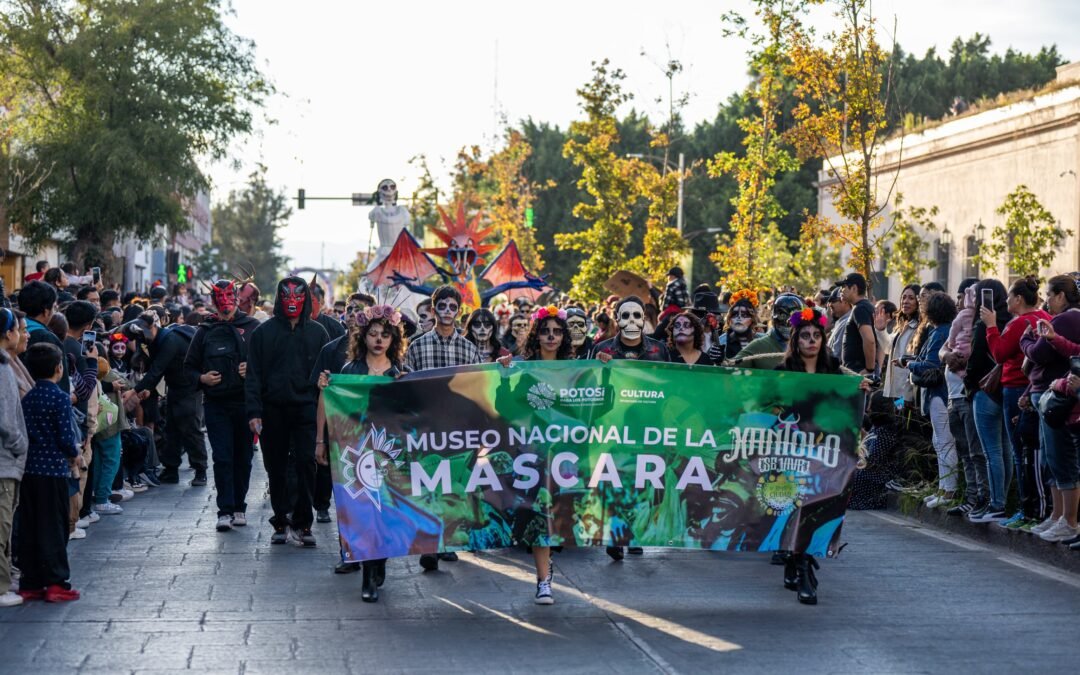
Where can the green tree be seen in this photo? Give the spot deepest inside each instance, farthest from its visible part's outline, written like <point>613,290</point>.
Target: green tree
<point>843,89</point>
<point>1028,240</point>
<point>509,195</point>
<point>245,234</point>
<point>815,260</point>
<point>739,256</point>
<point>608,180</point>
<point>909,250</point>
<point>122,99</point>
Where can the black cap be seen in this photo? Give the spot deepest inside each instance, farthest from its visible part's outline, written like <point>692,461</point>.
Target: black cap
<point>836,295</point>
<point>675,272</point>
<point>852,279</point>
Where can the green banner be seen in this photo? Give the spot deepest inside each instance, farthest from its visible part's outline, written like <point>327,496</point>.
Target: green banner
<point>574,453</point>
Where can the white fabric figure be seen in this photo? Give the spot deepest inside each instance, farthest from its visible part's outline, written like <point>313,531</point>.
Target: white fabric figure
<point>388,218</point>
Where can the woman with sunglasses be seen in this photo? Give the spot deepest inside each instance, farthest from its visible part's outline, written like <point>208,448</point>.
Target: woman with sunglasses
<point>548,340</point>
<point>481,330</point>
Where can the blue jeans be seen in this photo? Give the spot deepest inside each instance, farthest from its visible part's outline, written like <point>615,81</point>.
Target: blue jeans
<point>1014,419</point>
<point>990,423</point>
<point>232,446</point>
<point>1060,452</point>
<point>106,464</point>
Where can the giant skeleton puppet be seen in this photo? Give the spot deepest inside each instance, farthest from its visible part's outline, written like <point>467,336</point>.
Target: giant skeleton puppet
<point>408,265</point>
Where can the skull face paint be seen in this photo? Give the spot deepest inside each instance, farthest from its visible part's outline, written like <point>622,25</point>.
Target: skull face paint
<point>810,340</point>
<point>293,296</point>
<point>446,311</point>
<point>682,331</point>
<point>425,318</point>
<point>742,320</point>
<point>519,327</point>
<point>631,318</point>
<point>482,330</point>
<point>578,330</point>
<point>223,294</point>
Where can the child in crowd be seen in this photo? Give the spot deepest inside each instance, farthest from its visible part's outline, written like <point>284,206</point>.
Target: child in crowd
<point>43,496</point>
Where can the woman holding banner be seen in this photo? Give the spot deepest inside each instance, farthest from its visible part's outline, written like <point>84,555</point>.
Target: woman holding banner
<point>685,339</point>
<point>376,347</point>
<point>548,340</point>
<point>806,354</point>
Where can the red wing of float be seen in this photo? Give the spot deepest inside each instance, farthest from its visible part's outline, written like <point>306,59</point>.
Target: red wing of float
<point>407,259</point>
<point>507,266</point>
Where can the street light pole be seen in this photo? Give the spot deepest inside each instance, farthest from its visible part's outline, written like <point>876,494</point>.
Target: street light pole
<point>679,213</point>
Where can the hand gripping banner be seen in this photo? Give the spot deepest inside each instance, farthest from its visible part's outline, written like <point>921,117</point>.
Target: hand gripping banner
<point>574,453</point>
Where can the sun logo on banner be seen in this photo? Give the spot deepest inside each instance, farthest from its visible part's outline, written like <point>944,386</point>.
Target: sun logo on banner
<point>363,468</point>
<point>541,396</point>
<point>780,491</point>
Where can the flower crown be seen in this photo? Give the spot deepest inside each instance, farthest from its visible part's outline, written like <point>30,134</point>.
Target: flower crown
<point>549,311</point>
<point>745,294</point>
<point>377,312</point>
<point>808,315</point>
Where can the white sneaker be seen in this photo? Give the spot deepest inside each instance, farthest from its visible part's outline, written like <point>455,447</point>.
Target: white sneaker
<point>1059,531</point>
<point>1044,525</point>
<point>93,517</point>
<point>77,533</point>
<point>134,488</point>
<point>83,523</point>
<point>239,519</point>
<point>224,523</point>
<point>543,593</point>
<point>929,498</point>
<point>124,494</point>
<point>108,509</point>
<point>936,501</point>
<point>10,599</point>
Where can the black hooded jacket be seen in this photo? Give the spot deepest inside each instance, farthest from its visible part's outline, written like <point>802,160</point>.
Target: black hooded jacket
<point>281,356</point>
<point>221,346</point>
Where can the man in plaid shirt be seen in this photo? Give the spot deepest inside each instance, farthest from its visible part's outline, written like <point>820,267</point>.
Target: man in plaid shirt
<point>676,292</point>
<point>441,347</point>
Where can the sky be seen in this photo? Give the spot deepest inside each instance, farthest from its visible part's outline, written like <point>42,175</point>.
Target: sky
<point>362,89</point>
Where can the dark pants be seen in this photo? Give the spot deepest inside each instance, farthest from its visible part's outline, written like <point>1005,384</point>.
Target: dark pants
<point>183,432</point>
<point>969,450</point>
<point>43,526</point>
<point>324,485</point>
<point>288,437</point>
<point>232,446</point>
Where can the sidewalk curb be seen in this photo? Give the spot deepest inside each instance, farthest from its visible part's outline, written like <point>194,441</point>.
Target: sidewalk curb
<point>1019,543</point>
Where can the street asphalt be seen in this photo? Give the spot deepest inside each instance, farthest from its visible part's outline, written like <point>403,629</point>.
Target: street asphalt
<point>162,591</point>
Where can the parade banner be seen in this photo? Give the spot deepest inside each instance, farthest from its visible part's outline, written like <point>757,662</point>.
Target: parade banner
<point>575,453</point>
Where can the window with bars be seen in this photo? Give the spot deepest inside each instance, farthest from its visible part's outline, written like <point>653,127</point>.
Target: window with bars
<point>971,249</point>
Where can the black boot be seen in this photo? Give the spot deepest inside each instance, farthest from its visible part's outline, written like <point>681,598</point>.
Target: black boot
<point>370,590</point>
<point>779,558</point>
<point>429,561</point>
<point>616,552</point>
<point>791,572</point>
<point>807,579</point>
<point>380,572</point>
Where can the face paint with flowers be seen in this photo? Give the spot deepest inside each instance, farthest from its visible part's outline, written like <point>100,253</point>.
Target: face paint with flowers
<point>742,320</point>
<point>682,331</point>
<point>293,296</point>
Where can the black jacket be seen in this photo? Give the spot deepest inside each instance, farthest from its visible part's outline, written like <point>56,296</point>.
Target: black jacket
<point>222,346</point>
<point>167,353</point>
<point>331,325</point>
<point>280,358</point>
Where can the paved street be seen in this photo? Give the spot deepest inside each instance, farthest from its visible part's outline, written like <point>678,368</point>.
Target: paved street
<point>162,591</point>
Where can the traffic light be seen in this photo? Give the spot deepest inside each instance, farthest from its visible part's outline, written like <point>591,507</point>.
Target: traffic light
<point>181,274</point>
<point>529,217</point>
<point>300,199</point>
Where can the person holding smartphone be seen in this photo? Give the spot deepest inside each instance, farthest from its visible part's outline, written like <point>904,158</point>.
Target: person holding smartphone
<point>987,399</point>
<point>1059,446</point>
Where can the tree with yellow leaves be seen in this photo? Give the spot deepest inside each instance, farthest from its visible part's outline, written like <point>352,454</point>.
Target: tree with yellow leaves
<point>843,89</point>
<point>739,255</point>
<point>509,195</point>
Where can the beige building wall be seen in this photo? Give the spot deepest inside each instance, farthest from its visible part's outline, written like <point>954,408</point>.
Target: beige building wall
<point>968,165</point>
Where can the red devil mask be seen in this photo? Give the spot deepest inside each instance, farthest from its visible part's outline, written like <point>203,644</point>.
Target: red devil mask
<point>293,296</point>
<point>224,296</point>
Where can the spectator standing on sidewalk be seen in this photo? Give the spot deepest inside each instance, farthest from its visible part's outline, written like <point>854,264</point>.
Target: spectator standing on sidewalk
<point>13,446</point>
<point>43,493</point>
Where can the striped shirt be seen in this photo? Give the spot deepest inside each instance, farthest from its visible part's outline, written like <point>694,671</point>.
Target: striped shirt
<point>431,350</point>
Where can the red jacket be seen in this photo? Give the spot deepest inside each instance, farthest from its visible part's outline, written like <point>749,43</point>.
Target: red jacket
<point>1005,347</point>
